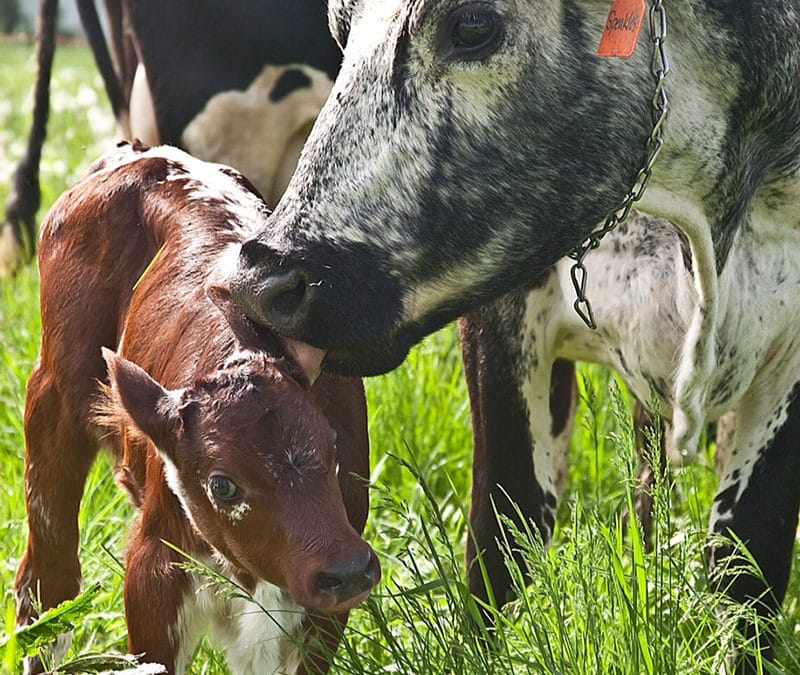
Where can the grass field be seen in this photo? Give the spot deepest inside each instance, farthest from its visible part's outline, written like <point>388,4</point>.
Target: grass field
<point>599,603</point>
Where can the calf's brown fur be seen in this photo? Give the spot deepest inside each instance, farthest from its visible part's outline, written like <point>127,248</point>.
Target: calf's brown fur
<point>226,449</point>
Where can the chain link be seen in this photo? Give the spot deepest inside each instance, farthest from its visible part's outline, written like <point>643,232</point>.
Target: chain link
<point>659,66</point>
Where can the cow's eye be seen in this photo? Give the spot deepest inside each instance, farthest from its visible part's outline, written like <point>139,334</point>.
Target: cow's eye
<point>475,33</point>
<point>223,488</point>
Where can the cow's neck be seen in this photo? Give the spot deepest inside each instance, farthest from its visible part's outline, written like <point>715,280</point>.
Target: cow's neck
<point>732,145</point>
<point>731,137</point>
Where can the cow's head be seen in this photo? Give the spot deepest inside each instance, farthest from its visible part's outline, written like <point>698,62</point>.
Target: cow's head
<point>253,462</point>
<point>465,148</point>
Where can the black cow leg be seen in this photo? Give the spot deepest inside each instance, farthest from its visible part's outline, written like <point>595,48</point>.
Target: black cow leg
<point>650,468</point>
<point>758,503</point>
<point>522,411</point>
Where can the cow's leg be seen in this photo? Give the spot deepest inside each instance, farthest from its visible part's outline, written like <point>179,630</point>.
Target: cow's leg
<point>142,113</point>
<point>523,404</point>
<point>18,233</point>
<point>646,476</point>
<point>726,426</point>
<point>59,454</point>
<point>758,503</point>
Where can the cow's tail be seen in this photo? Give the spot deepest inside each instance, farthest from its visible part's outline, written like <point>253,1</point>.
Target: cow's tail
<point>117,78</point>
<point>18,236</point>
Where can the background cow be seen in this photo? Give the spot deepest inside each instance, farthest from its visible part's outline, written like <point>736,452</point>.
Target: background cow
<point>236,82</point>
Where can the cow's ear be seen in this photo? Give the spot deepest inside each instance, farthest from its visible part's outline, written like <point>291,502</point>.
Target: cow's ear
<point>154,410</point>
<point>340,16</point>
<point>249,335</point>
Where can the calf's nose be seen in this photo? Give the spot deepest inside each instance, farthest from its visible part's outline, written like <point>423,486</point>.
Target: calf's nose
<point>270,288</point>
<point>348,580</point>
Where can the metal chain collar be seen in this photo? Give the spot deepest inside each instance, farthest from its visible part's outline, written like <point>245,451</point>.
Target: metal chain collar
<point>659,67</point>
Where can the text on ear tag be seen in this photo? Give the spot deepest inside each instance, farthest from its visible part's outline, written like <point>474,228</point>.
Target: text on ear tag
<point>624,23</point>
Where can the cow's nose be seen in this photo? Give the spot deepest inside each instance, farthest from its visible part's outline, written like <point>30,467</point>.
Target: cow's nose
<point>349,579</point>
<point>270,288</point>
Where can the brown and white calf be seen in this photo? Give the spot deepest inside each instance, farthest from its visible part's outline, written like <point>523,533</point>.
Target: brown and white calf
<point>224,446</point>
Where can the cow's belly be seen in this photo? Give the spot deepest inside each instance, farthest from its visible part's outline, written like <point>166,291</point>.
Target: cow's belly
<point>643,295</point>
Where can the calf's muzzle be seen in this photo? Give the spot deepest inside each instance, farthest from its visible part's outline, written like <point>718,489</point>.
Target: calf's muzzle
<point>347,582</point>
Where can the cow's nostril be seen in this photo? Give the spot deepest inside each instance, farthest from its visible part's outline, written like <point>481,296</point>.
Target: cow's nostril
<point>270,288</point>
<point>289,294</point>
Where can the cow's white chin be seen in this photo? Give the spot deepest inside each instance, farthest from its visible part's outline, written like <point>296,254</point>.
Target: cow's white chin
<point>309,358</point>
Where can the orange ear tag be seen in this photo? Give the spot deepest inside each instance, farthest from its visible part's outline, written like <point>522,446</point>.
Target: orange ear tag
<point>622,29</point>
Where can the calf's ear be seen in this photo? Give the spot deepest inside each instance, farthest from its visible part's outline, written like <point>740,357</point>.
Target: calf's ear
<point>154,410</point>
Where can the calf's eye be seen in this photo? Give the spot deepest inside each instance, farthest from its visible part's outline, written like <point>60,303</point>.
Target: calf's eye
<point>475,33</point>
<point>223,488</point>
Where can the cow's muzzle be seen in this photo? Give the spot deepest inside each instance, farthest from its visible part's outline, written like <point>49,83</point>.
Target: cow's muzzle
<point>340,299</point>
<point>270,289</point>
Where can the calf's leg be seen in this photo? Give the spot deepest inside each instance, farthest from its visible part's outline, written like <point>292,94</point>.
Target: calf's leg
<point>155,589</point>
<point>322,634</point>
<point>344,403</point>
<point>59,454</point>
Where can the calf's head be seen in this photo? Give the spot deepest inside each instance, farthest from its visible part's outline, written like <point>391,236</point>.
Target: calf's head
<point>465,148</point>
<point>253,462</point>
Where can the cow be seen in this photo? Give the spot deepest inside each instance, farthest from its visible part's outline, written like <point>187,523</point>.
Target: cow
<point>238,82</point>
<point>228,452</point>
<point>468,147</point>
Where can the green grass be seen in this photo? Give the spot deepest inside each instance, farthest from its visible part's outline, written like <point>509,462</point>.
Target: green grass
<point>598,602</point>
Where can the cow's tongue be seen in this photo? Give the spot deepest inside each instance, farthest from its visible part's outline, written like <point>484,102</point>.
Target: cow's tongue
<point>307,357</point>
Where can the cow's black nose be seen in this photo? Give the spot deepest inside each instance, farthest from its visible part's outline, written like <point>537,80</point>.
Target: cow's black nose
<point>349,578</point>
<point>270,288</point>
